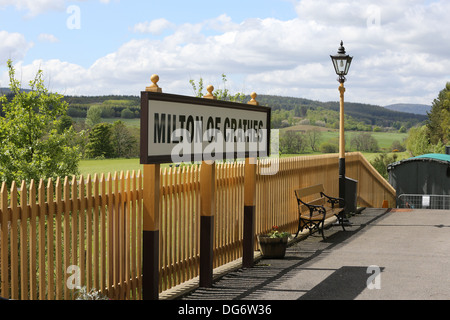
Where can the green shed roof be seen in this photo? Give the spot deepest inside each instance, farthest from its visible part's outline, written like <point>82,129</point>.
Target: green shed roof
<point>437,156</point>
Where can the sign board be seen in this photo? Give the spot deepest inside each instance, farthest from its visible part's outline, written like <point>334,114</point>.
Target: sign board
<point>425,201</point>
<point>178,128</point>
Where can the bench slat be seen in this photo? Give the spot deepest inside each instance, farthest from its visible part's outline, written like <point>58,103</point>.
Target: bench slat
<point>316,202</point>
<point>317,217</point>
<point>309,190</point>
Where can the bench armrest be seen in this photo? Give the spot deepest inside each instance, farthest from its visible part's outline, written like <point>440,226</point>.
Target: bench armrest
<point>316,208</point>
<point>333,200</point>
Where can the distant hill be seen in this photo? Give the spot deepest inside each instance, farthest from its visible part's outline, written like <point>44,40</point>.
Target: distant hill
<point>4,91</point>
<point>7,91</point>
<point>366,113</point>
<point>410,107</point>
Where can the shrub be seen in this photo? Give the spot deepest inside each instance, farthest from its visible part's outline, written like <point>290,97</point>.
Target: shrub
<point>328,147</point>
<point>364,142</point>
<point>381,162</point>
<point>127,114</point>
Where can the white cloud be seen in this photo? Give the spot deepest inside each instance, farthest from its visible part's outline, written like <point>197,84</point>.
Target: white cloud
<point>37,7</point>
<point>46,37</point>
<point>221,23</point>
<point>34,7</point>
<point>13,46</point>
<point>157,26</point>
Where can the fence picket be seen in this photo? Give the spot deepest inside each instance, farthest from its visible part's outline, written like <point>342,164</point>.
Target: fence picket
<point>96,234</point>
<point>23,242</point>
<point>139,194</point>
<point>126,223</point>
<point>50,240</point>
<point>32,240</point>
<point>42,214</point>
<point>58,245</point>
<point>66,249</point>
<point>110,236</point>
<point>14,243</point>
<point>81,229</point>
<point>121,199</point>
<point>103,266</point>
<point>4,245</point>
<point>133,238</point>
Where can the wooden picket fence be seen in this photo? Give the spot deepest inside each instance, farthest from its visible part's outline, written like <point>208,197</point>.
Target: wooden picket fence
<point>92,227</point>
<point>73,230</point>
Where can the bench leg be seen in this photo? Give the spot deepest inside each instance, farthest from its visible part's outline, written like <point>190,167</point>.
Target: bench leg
<point>311,226</point>
<point>341,216</point>
<point>302,224</point>
<point>321,228</point>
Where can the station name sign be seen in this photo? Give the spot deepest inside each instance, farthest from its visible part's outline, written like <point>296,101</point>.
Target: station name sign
<point>178,128</point>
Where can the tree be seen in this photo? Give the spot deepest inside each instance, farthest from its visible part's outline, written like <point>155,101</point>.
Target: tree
<point>381,162</point>
<point>314,136</point>
<point>397,146</point>
<point>34,142</point>
<point>123,142</point>
<point>418,142</point>
<point>402,129</point>
<point>292,142</point>
<point>276,119</point>
<point>127,114</point>
<point>94,116</point>
<point>438,122</point>
<point>364,142</point>
<point>65,122</point>
<point>99,145</point>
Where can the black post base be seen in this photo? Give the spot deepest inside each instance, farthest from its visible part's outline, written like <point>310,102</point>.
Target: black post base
<point>341,180</point>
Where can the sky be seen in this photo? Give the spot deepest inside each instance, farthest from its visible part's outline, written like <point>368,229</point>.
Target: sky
<point>400,48</point>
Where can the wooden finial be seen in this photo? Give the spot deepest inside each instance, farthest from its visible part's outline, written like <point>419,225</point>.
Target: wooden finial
<point>209,95</point>
<point>253,100</point>
<point>154,87</point>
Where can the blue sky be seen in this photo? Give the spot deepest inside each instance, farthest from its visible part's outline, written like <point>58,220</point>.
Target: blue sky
<point>95,47</point>
<point>104,27</point>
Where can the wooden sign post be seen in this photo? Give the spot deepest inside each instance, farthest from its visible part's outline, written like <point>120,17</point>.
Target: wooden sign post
<point>207,210</point>
<point>249,206</point>
<point>151,192</point>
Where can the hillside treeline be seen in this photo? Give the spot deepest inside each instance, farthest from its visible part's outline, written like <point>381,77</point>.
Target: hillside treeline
<point>361,117</point>
<point>127,107</point>
<point>366,114</point>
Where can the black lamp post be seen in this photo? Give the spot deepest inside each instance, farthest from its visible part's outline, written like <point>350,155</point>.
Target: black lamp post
<point>341,62</point>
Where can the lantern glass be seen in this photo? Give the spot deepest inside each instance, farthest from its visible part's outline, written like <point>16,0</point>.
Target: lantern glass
<point>341,62</point>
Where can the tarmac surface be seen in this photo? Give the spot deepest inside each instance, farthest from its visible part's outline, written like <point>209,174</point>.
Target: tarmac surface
<point>394,254</point>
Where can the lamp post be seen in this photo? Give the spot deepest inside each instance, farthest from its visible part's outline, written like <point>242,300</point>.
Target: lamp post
<point>341,62</point>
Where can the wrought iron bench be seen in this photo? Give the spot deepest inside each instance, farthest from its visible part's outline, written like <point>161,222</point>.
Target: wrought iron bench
<point>319,207</point>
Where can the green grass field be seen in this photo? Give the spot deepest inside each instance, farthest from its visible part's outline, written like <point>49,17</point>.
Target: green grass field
<point>385,140</point>
<point>93,167</point>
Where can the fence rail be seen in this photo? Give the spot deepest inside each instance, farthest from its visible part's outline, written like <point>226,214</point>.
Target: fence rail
<point>424,201</point>
<point>92,227</point>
